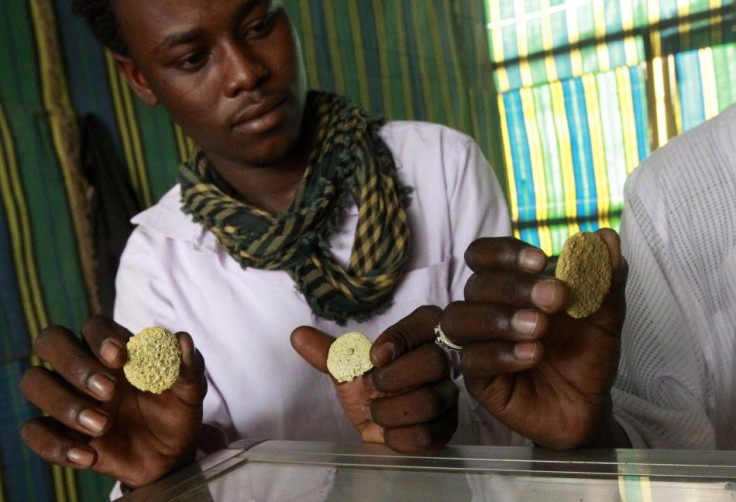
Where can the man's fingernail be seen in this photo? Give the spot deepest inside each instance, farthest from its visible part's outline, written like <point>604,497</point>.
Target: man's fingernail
<point>525,321</point>
<point>101,385</point>
<point>532,259</point>
<point>385,353</point>
<point>367,381</point>
<point>80,456</point>
<point>544,293</point>
<point>187,352</point>
<point>110,351</point>
<point>524,351</point>
<point>92,420</point>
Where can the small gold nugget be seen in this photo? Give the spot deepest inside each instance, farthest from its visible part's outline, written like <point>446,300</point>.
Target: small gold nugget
<point>585,268</point>
<point>153,360</point>
<point>349,356</point>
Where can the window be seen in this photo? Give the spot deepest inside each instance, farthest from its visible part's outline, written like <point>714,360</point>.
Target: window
<point>587,89</point>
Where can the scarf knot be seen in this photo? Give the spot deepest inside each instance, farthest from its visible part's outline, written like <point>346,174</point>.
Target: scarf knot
<point>349,161</point>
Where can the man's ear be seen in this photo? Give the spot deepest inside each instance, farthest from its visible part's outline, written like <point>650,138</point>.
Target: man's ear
<point>137,81</point>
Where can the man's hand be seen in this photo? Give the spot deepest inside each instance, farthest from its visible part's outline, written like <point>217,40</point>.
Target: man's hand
<point>95,419</point>
<point>408,400</point>
<point>541,372</point>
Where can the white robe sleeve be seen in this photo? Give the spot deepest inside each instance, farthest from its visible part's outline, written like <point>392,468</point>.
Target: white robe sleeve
<point>660,397</point>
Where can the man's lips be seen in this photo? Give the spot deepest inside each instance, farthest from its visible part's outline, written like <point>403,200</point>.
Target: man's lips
<point>259,116</point>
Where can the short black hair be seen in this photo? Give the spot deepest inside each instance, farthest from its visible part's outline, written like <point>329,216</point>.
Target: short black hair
<point>102,21</point>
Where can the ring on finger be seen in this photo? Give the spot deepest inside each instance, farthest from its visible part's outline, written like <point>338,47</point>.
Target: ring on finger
<point>443,341</point>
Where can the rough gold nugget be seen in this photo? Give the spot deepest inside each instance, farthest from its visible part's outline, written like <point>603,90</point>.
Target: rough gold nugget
<point>585,267</point>
<point>153,360</point>
<point>349,356</point>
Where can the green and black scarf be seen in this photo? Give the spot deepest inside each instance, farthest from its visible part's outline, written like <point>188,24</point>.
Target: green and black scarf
<point>349,159</point>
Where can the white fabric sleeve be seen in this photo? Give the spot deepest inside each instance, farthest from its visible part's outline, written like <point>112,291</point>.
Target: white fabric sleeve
<point>659,395</point>
<point>477,209</point>
<point>140,293</point>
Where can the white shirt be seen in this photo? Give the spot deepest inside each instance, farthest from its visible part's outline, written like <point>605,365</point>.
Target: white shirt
<point>677,384</point>
<point>174,274</point>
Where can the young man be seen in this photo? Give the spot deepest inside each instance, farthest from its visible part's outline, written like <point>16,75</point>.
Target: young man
<point>296,209</point>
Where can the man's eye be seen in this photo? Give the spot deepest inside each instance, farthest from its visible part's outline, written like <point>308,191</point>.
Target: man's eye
<point>262,27</point>
<point>192,61</point>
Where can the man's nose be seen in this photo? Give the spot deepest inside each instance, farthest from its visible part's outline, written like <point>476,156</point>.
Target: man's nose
<point>245,70</point>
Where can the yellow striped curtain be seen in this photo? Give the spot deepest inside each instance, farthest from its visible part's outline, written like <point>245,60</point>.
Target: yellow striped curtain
<point>588,88</point>
<point>46,270</point>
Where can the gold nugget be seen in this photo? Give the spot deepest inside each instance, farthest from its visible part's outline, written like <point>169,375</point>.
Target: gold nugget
<point>153,360</point>
<point>349,356</point>
<point>585,268</point>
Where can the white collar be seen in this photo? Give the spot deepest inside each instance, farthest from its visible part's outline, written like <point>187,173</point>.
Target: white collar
<point>167,218</point>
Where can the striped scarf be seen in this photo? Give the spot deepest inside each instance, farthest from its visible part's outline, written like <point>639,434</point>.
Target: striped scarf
<point>349,160</point>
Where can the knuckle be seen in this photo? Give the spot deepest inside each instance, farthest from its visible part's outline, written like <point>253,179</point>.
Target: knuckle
<point>32,434</point>
<point>430,404</point>
<point>94,321</point>
<point>428,310</point>
<point>470,286</point>
<point>453,312</point>
<point>434,402</point>
<point>495,320</point>
<point>423,438</point>
<point>56,453</point>
<point>508,284</point>
<point>45,338</point>
<point>98,327</point>
<point>475,248</point>
<point>79,373</point>
<point>72,413</point>
<point>381,380</point>
<point>473,364</point>
<point>439,362</point>
<point>451,308</point>
<point>26,432</point>
<point>29,378</point>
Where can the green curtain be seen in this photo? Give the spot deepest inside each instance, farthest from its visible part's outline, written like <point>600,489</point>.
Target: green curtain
<point>414,59</point>
<point>45,264</point>
<point>588,89</point>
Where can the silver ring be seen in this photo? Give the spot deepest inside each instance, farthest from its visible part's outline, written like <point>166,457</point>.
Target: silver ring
<point>443,341</point>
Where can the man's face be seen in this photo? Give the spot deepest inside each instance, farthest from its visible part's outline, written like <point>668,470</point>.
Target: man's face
<point>230,73</point>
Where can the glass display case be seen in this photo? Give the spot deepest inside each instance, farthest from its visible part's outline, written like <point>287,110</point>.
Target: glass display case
<point>315,471</point>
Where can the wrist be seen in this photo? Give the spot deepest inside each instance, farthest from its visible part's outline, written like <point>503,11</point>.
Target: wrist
<point>609,433</point>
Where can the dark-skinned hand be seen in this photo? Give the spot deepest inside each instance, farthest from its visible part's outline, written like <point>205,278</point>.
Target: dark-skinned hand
<point>541,372</point>
<point>95,419</point>
<point>408,400</point>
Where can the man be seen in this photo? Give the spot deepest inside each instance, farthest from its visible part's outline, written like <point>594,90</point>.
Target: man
<point>675,386</point>
<point>676,382</point>
<point>296,209</point>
